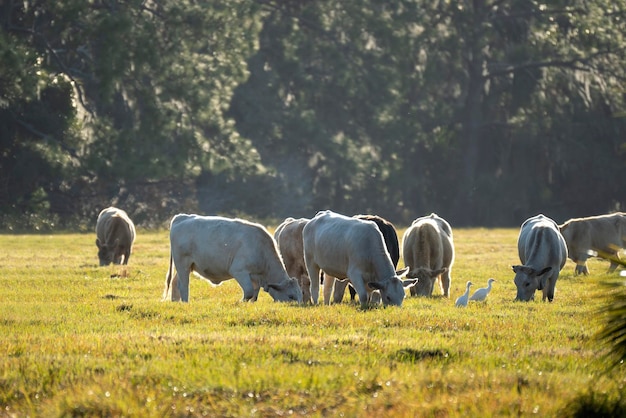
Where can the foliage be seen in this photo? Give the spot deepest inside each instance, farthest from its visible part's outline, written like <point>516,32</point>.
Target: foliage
<point>107,101</point>
<point>415,107</point>
<point>486,112</point>
<point>97,341</point>
<point>595,404</point>
<point>614,332</point>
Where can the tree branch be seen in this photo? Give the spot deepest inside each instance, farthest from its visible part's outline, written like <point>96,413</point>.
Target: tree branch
<point>581,64</point>
<point>64,68</point>
<point>46,137</point>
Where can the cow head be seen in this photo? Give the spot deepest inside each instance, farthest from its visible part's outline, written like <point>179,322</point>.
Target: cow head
<point>286,291</point>
<point>528,280</point>
<point>110,253</point>
<point>392,290</point>
<point>426,280</point>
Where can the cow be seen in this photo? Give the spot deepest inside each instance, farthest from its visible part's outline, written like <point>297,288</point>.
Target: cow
<point>428,251</point>
<point>543,252</point>
<point>391,242</point>
<point>218,249</point>
<point>115,236</point>
<point>288,236</point>
<point>603,234</point>
<point>342,246</point>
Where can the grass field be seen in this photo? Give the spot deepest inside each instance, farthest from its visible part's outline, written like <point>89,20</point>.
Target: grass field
<point>82,340</point>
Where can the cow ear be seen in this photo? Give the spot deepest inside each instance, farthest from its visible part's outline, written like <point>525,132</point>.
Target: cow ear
<point>402,272</point>
<point>274,286</point>
<point>544,271</point>
<point>98,243</point>
<point>440,271</point>
<point>375,285</point>
<point>409,283</point>
<point>524,269</point>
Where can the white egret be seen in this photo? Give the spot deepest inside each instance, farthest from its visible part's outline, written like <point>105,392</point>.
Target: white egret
<point>481,294</point>
<point>462,300</point>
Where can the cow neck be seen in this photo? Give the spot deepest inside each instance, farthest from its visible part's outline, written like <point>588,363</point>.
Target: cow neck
<point>383,267</point>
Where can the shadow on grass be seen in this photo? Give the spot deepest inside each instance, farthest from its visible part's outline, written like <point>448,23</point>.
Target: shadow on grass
<point>593,404</point>
<point>410,355</point>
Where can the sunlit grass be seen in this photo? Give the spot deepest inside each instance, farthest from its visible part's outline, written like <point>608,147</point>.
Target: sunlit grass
<point>79,339</point>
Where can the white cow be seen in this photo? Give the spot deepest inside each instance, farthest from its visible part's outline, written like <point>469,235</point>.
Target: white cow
<point>603,234</point>
<point>288,236</point>
<point>428,251</point>
<point>342,246</point>
<point>219,249</point>
<point>543,252</point>
<point>115,236</point>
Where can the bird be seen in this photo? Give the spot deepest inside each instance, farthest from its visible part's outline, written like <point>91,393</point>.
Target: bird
<point>481,294</point>
<point>462,300</point>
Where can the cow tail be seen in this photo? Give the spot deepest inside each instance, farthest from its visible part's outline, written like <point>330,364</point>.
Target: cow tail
<point>168,279</point>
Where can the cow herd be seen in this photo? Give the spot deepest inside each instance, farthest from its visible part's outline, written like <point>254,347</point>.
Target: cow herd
<point>361,251</point>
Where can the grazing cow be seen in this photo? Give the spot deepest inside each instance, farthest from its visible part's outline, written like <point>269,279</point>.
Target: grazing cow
<point>352,248</point>
<point>604,234</point>
<point>543,252</point>
<point>219,249</point>
<point>391,242</point>
<point>115,235</point>
<point>288,236</point>
<point>428,251</point>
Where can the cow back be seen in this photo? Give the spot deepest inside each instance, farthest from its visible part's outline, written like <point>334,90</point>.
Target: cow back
<point>422,246</point>
<point>338,242</point>
<point>389,233</point>
<point>540,244</point>
<point>215,243</point>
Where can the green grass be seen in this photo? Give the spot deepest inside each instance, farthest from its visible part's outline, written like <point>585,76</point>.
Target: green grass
<point>82,340</point>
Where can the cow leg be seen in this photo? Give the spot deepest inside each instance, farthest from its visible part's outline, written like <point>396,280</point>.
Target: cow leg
<point>305,285</point>
<point>360,287</point>
<point>352,293</point>
<point>614,264</point>
<point>548,289</point>
<point>329,284</point>
<point>183,267</point>
<point>581,268</point>
<point>171,292</point>
<point>183,284</point>
<point>340,290</point>
<point>314,276</point>
<point>250,287</point>
<point>445,283</point>
<point>126,256</point>
<point>580,258</point>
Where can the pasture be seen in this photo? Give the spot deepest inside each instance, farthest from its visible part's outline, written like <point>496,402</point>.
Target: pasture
<point>83,340</point>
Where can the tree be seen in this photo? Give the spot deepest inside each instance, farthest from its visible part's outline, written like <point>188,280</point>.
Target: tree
<point>144,86</point>
<point>460,108</point>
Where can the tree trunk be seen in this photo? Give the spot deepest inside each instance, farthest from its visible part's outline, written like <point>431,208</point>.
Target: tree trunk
<point>466,208</point>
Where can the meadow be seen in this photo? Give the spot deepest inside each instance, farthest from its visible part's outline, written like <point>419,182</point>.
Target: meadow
<point>82,340</point>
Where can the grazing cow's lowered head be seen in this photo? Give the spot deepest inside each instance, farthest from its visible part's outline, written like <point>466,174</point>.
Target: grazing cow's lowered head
<point>529,280</point>
<point>286,291</point>
<point>110,253</point>
<point>426,279</point>
<point>392,290</point>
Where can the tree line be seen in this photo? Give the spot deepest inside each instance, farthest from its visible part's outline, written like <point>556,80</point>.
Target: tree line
<point>485,112</point>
